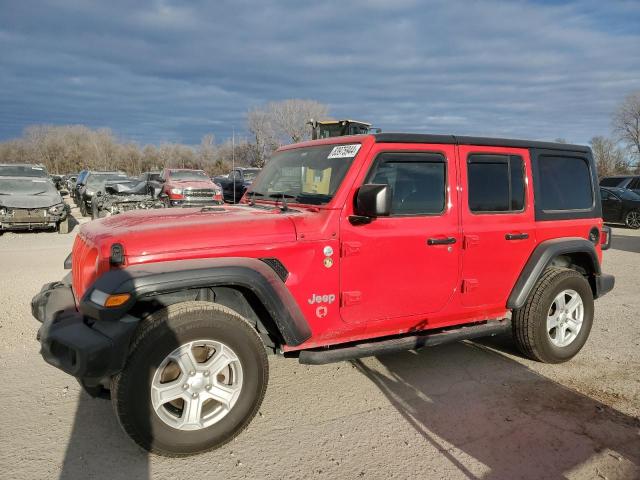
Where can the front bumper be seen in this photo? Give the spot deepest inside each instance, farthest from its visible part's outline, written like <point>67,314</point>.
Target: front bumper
<point>30,219</point>
<point>194,203</point>
<point>89,349</point>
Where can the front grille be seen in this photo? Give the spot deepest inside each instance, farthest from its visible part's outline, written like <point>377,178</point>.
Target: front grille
<point>25,215</point>
<point>199,193</point>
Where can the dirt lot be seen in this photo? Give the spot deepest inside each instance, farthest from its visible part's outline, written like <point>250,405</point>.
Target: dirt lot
<point>469,410</point>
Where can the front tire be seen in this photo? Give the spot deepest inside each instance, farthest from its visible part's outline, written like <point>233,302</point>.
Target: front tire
<point>195,377</point>
<point>632,219</point>
<point>555,321</point>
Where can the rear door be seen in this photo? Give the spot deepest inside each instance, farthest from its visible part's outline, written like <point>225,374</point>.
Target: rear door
<point>497,221</point>
<point>406,264</point>
<point>611,206</point>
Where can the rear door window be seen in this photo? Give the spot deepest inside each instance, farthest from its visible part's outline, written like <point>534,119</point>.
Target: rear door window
<point>496,183</point>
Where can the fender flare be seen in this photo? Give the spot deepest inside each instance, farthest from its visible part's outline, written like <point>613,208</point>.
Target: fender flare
<point>147,280</point>
<point>542,257</point>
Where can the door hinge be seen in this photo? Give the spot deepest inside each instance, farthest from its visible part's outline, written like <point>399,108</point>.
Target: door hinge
<point>469,284</point>
<point>350,298</point>
<point>350,248</point>
<point>470,241</point>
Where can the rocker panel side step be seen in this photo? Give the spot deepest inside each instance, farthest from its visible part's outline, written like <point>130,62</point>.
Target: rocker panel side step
<point>398,344</point>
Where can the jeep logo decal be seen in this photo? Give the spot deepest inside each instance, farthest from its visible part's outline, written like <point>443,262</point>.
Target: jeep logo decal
<point>321,299</point>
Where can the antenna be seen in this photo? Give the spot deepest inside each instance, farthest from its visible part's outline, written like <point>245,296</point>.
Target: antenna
<point>233,161</point>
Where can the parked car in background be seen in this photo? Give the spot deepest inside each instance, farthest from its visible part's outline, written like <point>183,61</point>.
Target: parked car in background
<point>235,183</point>
<point>620,205</point>
<point>125,195</point>
<point>23,170</point>
<point>630,182</point>
<point>57,181</point>
<point>95,182</point>
<point>188,188</point>
<point>78,184</point>
<point>31,203</point>
<point>70,181</point>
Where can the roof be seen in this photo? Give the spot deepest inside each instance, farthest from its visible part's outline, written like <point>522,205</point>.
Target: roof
<point>465,140</point>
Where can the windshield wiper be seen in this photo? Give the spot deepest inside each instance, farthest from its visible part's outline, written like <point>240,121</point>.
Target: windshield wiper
<point>284,197</point>
<point>40,193</point>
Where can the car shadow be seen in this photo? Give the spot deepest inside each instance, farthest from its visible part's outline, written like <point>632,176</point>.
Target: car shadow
<point>492,417</point>
<point>625,243</point>
<point>99,448</point>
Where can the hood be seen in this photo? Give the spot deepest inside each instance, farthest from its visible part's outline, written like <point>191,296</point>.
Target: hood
<point>191,183</point>
<point>157,232</point>
<point>44,200</point>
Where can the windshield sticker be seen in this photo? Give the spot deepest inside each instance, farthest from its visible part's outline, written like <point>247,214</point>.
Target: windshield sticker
<point>344,151</point>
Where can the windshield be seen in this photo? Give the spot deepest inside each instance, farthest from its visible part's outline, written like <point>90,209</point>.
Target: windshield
<point>96,180</point>
<point>612,181</point>
<point>310,175</point>
<point>23,171</point>
<point>628,195</point>
<point>251,174</point>
<point>188,175</point>
<point>26,186</point>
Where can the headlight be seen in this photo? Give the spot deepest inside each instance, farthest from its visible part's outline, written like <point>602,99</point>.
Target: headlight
<point>56,209</point>
<point>3,211</point>
<point>176,191</point>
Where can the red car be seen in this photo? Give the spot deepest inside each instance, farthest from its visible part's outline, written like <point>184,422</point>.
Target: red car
<point>342,248</point>
<point>188,188</point>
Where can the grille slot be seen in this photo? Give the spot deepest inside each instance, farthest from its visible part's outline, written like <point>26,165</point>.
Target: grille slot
<point>277,266</point>
<point>199,193</point>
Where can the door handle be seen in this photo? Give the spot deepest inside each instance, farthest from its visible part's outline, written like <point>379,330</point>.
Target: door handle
<point>516,236</point>
<point>441,241</point>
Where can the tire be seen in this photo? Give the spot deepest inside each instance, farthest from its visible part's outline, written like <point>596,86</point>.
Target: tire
<point>63,226</point>
<point>157,337</point>
<point>530,323</point>
<point>632,219</point>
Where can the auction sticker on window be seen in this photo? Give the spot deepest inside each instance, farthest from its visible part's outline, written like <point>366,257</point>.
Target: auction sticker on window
<point>344,151</point>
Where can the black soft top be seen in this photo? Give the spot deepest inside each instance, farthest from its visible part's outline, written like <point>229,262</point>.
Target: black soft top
<point>485,141</point>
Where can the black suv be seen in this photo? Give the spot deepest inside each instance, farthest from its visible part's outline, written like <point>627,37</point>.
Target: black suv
<point>620,205</point>
<point>630,182</point>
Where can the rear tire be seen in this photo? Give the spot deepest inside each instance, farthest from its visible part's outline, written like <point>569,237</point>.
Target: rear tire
<point>632,219</point>
<point>189,325</point>
<point>533,329</point>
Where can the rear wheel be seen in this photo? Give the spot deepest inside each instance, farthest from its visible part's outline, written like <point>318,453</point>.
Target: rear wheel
<point>195,377</point>
<point>632,219</point>
<point>554,323</point>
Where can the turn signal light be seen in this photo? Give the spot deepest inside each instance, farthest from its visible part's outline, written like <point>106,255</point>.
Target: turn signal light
<point>117,300</point>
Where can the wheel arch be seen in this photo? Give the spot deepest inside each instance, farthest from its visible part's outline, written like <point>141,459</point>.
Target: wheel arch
<point>576,253</point>
<point>246,285</point>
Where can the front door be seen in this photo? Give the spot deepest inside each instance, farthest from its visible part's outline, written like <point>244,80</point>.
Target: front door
<point>407,264</point>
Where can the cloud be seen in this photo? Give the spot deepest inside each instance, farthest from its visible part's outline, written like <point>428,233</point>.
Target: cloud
<point>172,71</point>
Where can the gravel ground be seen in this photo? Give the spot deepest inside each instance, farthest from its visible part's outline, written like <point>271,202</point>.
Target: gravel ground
<point>468,410</point>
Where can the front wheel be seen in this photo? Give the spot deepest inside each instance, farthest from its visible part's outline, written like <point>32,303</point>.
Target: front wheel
<point>632,219</point>
<point>195,377</point>
<point>554,323</point>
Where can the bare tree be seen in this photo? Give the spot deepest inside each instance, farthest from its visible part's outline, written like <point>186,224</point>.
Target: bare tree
<point>290,117</point>
<point>609,158</point>
<point>259,123</point>
<point>626,123</point>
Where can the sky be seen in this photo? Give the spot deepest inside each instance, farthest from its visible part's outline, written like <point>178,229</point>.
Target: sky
<point>156,71</point>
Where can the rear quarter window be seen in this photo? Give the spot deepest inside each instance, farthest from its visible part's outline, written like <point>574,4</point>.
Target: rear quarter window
<point>564,183</point>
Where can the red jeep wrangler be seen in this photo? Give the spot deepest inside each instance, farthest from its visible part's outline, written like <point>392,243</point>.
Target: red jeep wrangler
<point>342,248</point>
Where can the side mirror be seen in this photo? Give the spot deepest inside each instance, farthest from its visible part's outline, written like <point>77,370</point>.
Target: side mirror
<point>372,200</point>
